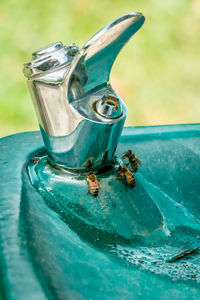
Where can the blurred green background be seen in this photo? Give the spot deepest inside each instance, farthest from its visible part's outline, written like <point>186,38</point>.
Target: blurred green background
<point>157,73</point>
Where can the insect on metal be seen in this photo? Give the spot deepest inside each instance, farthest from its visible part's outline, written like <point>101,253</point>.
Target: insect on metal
<point>132,159</point>
<point>111,100</point>
<point>89,164</point>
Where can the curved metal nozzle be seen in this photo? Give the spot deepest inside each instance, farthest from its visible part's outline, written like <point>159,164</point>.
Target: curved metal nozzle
<point>81,117</point>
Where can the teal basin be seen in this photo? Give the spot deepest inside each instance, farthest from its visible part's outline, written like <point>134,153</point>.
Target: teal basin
<point>58,242</point>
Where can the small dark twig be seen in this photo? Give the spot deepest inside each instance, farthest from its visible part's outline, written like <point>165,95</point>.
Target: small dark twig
<point>183,254</point>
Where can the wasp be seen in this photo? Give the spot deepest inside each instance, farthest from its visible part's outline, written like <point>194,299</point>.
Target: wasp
<point>126,175</point>
<point>132,159</point>
<point>93,184</point>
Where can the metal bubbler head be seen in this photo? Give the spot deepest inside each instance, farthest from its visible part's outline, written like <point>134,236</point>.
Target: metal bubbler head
<point>81,117</point>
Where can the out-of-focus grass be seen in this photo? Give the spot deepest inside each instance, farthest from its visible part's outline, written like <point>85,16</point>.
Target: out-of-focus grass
<point>157,73</point>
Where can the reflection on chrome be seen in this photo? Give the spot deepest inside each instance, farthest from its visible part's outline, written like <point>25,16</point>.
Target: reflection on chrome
<point>69,87</point>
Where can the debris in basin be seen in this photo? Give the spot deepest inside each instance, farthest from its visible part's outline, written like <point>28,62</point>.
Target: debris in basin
<point>132,159</point>
<point>126,175</point>
<point>183,254</point>
<point>93,184</point>
<point>154,259</point>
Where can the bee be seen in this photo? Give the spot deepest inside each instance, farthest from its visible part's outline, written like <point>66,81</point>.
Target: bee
<point>126,175</point>
<point>105,155</point>
<point>111,100</point>
<point>132,159</point>
<point>93,184</point>
<point>89,164</point>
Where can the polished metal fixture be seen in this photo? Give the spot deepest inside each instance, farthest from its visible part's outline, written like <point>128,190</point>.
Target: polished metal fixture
<point>81,117</point>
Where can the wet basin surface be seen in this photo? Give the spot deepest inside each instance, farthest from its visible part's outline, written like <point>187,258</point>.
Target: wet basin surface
<point>58,242</point>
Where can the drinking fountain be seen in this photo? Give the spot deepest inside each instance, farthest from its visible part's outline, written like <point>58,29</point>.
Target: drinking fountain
<point>57,241</point>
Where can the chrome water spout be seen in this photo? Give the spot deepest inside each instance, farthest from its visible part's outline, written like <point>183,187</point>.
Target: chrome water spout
<point>81,117</point>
